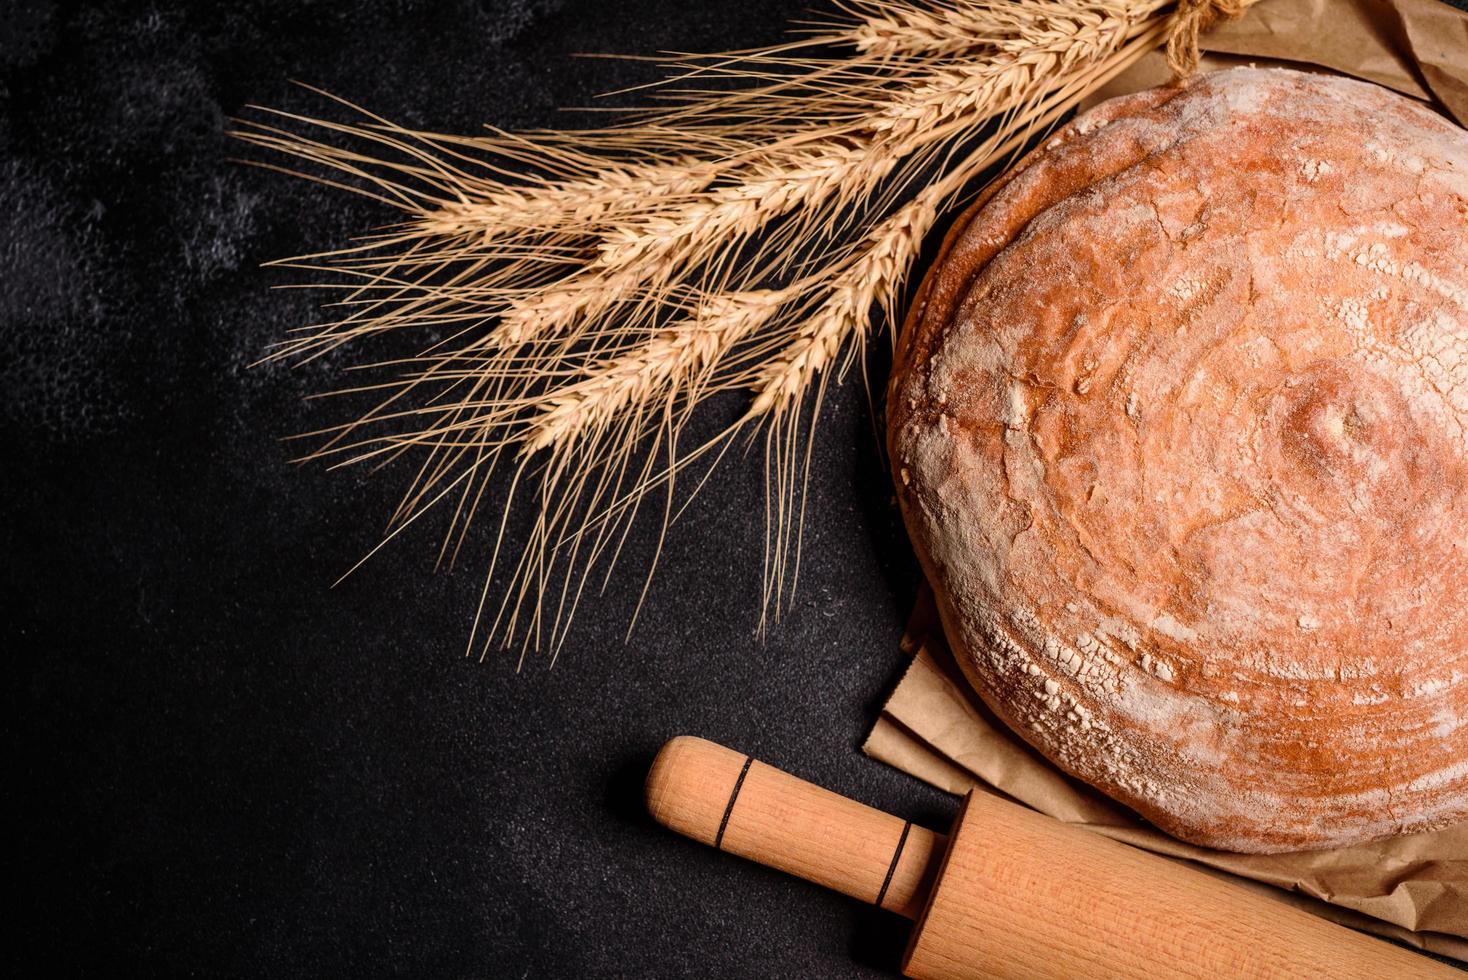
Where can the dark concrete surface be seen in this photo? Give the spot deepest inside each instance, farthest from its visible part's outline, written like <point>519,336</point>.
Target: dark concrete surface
<point>223,764</point>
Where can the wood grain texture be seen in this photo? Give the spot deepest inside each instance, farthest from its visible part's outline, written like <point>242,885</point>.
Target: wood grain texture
<point>787,823</point>
<point>1022,895</point>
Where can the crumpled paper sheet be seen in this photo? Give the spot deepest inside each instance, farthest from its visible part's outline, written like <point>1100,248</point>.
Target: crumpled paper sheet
<point>1413,889</point>
<point>1416,47</point>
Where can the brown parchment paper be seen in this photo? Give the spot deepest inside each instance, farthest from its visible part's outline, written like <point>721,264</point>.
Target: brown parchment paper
<point>1413,889</point>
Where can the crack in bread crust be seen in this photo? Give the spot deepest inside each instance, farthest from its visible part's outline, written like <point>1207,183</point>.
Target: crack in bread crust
<point>1180,426</point>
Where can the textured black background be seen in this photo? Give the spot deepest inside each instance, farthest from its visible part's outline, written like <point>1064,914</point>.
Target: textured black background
<point>223,764</point>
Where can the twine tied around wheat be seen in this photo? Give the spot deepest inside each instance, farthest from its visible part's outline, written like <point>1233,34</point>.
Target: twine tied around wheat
<point>1191,18</point>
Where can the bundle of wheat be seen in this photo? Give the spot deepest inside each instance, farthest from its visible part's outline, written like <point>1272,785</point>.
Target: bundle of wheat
<point>579,294</point>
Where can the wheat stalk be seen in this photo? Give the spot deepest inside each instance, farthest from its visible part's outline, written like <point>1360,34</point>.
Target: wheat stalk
<point>889,29</point>
<point>583,204</point>
<point>653,368</point>
<point>873,278</point>
<point>562,303</point>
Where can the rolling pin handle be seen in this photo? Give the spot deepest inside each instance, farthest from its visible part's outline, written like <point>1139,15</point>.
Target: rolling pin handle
<point>734,803</point>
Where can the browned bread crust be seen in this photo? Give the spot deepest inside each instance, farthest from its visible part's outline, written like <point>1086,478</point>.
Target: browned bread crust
<point>1179,425</point>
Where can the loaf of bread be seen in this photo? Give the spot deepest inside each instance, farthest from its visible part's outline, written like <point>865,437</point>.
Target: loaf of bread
<point>1179,426</point>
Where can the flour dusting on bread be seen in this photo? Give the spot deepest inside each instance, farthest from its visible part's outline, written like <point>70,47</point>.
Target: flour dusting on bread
<point>1182,428</point>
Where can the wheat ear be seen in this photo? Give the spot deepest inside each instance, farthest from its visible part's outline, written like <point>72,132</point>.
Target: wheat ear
<point>563,302</point>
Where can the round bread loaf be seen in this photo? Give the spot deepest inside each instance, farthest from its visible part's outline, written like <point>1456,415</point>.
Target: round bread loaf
<point>1179,425</point>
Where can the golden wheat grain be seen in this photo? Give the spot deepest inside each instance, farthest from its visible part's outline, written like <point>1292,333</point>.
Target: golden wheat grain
<point>568,206</point>
<point>887,29</point>
<point>779,184</point>
<point>872,279</point>
<point>574,297</point>
<point>910,119</point>
<point>651,369</point>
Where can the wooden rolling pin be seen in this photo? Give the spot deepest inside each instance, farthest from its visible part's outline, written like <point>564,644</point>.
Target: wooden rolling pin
<point>1011,892</point>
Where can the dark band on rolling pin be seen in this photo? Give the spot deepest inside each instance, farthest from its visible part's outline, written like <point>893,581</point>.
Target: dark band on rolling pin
<point>892,868</point>
<point>738,783</point>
